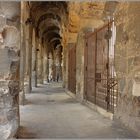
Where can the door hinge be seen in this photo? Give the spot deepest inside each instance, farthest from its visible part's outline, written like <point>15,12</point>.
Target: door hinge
<point>86,68</point>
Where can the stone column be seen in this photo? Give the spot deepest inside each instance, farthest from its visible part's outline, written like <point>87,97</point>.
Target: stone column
<point>36,61</point>
<point>30,57</point>
<point>54,66</point>
<point>58,64</point>
<point>65,67</point>
<point>42,66</point>
<point>50,69</point>
<point>40,63</point>
<point>47,70</point>
<point>22,57</point>
<point>34,58</point>
<point>26,63</point>
<point>45,64</point>
<point>9,68</point>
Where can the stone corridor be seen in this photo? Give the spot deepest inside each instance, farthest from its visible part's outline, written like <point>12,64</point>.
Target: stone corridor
<point>51,113</point>
<point>92,47</point>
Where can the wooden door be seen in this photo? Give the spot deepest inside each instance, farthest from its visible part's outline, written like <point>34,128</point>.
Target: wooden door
<point>100,81</point>
<point>72,68</point>
<point>90,59</point>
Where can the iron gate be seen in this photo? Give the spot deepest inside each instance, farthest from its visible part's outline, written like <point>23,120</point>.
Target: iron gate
<point>100,79</point>
<point>72,68</point>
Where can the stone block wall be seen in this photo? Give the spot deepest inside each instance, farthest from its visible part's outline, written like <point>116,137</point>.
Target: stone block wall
<point>9,68</point>
<point>127,63</point>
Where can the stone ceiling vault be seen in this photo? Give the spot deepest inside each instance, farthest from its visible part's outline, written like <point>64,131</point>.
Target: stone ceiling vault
<point>49,18</point>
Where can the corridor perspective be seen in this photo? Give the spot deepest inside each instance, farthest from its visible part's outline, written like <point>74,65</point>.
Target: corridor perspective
<point>51,113</point>
<point>69,69</point>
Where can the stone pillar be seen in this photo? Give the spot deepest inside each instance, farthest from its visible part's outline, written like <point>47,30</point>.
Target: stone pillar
<point>30,58</point>
<point>36,61</point>
<point>61,67</point>
<point>26,63</point>
<point>58,62</point>
<point>22,57</point>
<point>9,68</point>
<point>54,66</point>
<point>40,63</point>
<point>45,64</point>
<point>65,67</point>
<point>47,70</point>
<point>50,66</point>
<point>34,58</point>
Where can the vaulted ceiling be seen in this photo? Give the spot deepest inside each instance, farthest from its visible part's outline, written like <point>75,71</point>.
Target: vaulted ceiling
<point>49,18</point>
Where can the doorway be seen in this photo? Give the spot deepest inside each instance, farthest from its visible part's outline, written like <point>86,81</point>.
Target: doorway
<point>100,77</point>
<point>72,68</point>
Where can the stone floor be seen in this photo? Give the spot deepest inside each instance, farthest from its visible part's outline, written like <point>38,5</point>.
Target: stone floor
<point>51,113</point>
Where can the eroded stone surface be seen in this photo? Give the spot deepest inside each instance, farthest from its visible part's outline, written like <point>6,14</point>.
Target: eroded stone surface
<point>127,63</point>
<point>9,71</point>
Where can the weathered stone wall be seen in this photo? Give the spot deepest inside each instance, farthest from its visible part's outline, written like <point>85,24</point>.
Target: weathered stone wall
<point>127,63</point>
<point>9,68</point>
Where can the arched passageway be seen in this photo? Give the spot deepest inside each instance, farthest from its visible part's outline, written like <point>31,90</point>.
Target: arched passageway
<point>69,69</point>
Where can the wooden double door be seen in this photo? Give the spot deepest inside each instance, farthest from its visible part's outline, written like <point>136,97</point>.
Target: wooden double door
<point>100,85</point>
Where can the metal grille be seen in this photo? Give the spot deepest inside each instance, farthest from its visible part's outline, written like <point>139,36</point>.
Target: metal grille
<point>100,79</point>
